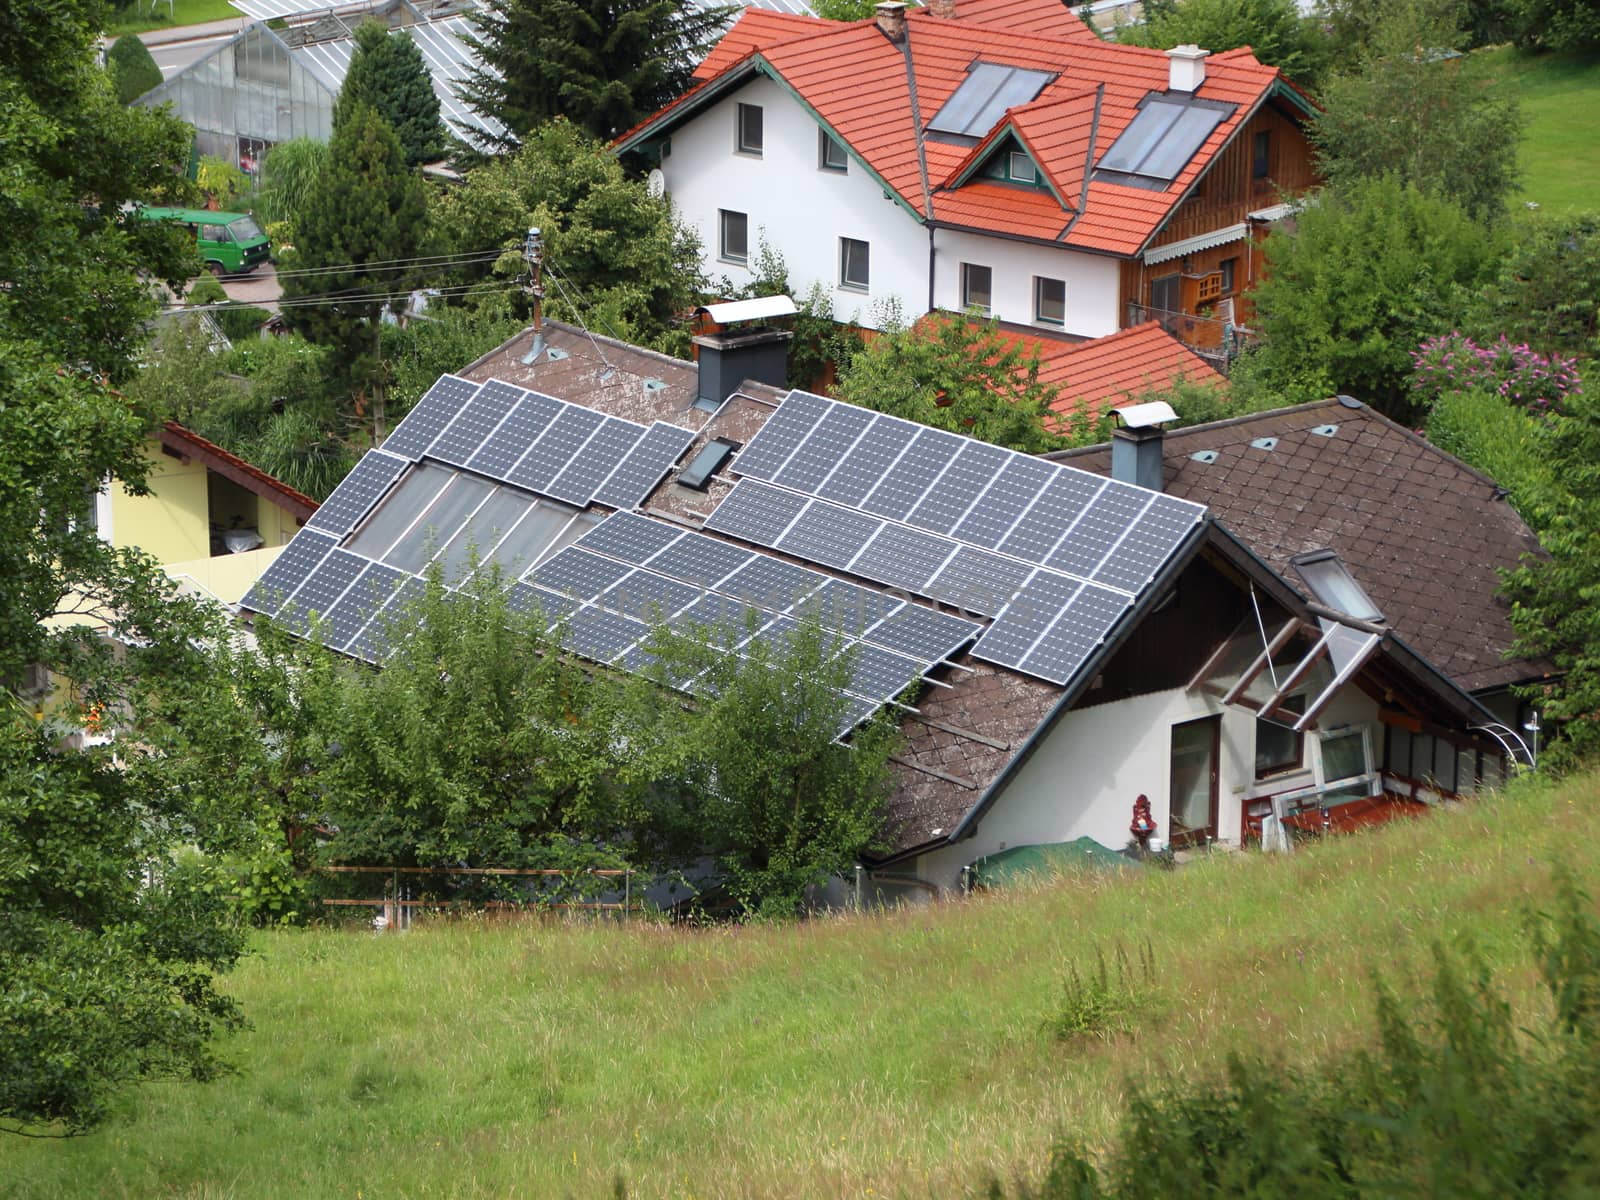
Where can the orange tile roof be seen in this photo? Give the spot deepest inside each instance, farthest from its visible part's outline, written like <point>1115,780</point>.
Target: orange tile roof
<point>1096,375</point>
<point>187,441</point>
<point>861,85</point>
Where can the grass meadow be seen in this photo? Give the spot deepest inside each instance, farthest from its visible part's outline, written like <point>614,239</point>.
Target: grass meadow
<point>1560,95</point>
<point>900,1054</point>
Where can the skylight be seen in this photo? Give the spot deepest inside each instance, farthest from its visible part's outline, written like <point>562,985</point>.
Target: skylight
<point>983,97</point>
<point>1161,140</point>
<point>1332,584</point>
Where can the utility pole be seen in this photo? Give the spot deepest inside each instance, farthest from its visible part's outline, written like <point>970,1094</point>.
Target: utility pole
<point>533,258</point>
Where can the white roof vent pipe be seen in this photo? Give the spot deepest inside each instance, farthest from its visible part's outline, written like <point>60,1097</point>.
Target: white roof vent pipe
<point>1186,68</point>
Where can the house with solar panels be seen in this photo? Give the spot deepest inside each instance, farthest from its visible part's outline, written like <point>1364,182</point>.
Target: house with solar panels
<point>988,154</point>
<point>1055,643</point>
<point>280,77</point>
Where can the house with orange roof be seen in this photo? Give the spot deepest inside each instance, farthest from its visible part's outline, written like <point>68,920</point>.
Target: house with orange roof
<point>988,154</point>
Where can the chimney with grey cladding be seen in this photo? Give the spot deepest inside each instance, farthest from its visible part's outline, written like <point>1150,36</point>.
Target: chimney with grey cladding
<point>1136,456</point>
<point>728,359</point>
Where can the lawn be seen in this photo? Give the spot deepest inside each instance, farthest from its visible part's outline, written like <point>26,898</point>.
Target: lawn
<point>1560,97</point>
<point>900,1054</point>
<point>138,16</point>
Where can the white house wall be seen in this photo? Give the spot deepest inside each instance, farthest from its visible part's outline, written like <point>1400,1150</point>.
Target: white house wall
<point>1092,280</point>
<point>795,207</point>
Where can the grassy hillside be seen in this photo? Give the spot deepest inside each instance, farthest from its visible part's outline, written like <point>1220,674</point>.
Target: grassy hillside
<point>1560,95</point>
<point>895,1055</point>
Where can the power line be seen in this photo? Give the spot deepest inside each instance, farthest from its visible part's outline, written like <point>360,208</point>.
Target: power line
<point>437,263</point>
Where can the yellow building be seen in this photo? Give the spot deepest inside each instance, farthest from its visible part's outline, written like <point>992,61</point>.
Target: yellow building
<point>211,519</point>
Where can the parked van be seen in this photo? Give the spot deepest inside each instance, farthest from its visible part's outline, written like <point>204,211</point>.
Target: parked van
<point>230,243</point>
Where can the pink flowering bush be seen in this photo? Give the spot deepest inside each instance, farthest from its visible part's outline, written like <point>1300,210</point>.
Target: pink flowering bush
<point>1454,362</point>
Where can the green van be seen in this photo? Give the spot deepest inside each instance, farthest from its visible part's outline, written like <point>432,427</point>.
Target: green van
<point>230,243</point>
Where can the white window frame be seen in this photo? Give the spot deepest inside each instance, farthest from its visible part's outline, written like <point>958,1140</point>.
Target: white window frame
<point>967,302</point>
<point>845,282</point>
<point>1038,309</point>
<point>741,142</point>
<point>723,254</point>
<point>1028,174</point>
<point>826,142</point>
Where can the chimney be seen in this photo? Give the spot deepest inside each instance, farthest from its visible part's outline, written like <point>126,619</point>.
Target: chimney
<point>943,9</point>
<point>1136,443</point>
<point>892,20</point>
<point>728,359</point>
<point>1186,68</point>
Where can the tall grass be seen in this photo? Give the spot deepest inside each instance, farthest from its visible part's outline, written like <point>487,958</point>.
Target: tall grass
<point>902,1054</point>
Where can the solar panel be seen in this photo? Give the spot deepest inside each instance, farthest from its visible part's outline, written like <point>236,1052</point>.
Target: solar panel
<point>756,512</point>
<point>278,582</point>
<point>372,643</point>
<point>781,435</point>
<point>1159,142</point>
<point>995,514</point>
<point>630,538</point>
<point>322,587</point>
<point>1149,543</point>
<point>648,597</point>
<point>474,423</point>
<point>528,419</point>
<point>731,622</point>
<point>559,445</point>
<point>357,493</point>
<point>924,634</point>
<point>856,711</point>
<point>700,560</point>
<point>428,418</point>
<point>827,534</point>
<point>827,446</point>
<point>1093,536</point>
<point>869,461</point>
<point>953,493</point>
<point>1074,633</point>
<point>772,583</point>
<point>1052,513</point>
<point>552,606</point>
<point>989,89</point>
<point>482,532</point>
<point>879,674</point>
<point>847,607</point>
<point>977,581</point>
<point>578,573</point>
<point>650,459</point>
<point>1013,635</point>
<point>600,457</point>
<point>443,518</point>
<point>370,592</point>
<point>923,462</point>
<point>904,558</point>
<point>601,635</point>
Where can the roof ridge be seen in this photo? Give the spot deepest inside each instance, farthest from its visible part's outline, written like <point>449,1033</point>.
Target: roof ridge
<point>1225,423</point>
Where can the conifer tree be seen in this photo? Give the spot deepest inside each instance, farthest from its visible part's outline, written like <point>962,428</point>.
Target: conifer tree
<point>363,222</point>
<point>388,73</point>
<point>602,64</point>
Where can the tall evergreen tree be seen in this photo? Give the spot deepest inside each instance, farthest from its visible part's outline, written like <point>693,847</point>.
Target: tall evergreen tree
<point>363,223</point>
<point>602,64</point>
<point>388,73</point>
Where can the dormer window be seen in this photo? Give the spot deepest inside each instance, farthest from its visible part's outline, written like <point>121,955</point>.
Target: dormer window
<point>1331,583</point>
<point>1020,168</point>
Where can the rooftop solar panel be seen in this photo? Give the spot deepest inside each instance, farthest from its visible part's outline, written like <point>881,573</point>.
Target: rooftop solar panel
<point>989,89</point>
<point>885,440</point>
<point>372,643</point>
<point>646,596</point>
<point>977,581</point>
<point>1159,142</point>
<point>321,589</point>
<point>602,455</point>
<point>730,622</point>
<point>922,633</point>
<point>561,442</point>
<point>601,635</point>
<point>357,493</point>
<point>1014,633</point>
<point>578,574</point>
<point>1149,544</point>
<point>879,674</point>
<point>913,474</point>
<point>552,606</point>
<point>826,447</point>
<point>1051,514</point>
<point>955,492</point>
<point>756,512</point>
<point>650,459</point>
<point>473,424</point>
<point>772,583</point>
<point>847,607</point>
<point>856,711</point>
<point>630,538</point>
<point>510,441</point>
<point>1002,504</point>
<point>1088,540</point>
<point>825,533</point>
<point>1077,629</point>
<point>701,560</point>
<point>781,435</point>
<point>904,558</point>
<point>429,416</point>
<point>370,592</point>
<point>297,560</point>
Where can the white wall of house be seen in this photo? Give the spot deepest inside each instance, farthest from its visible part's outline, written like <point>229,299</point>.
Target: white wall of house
<point>799,209</point>
<point>1092,280</point>
<point>1083,780</point>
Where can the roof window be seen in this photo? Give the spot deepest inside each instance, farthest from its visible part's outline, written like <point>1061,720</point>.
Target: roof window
<point>1160,141</point>
<point>1332,584</point>
<point>983,97</point>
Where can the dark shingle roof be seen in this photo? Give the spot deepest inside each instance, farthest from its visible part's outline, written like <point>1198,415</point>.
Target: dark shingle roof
<point>1424,533</point>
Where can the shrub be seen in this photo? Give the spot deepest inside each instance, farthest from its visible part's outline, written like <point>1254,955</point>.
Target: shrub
<point>1110,1002</point>
<point>206,290</point>
<point>242,322</point>
<point>133,72</point>
<point>1453,362</point>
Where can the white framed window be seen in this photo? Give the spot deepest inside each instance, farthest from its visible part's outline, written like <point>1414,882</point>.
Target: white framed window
<point>733,236</point>
<point>749,136</point>
<point>1020,168</point>
<point>1049,301</point>
<point>830,153</point>
<point>1343,764</point>
<point>977,287</point>
<point>855,265</point>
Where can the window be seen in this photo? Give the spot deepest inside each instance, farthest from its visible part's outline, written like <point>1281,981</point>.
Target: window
<point>855,271</point>
<point>733,239</point>
<point>976,287</point>
<point>1344,765</point>
<point>215,233</point>
<point>830,154</point>
<point>1050,301</point>
<point>1020,167</point>
<point>750,129</point>
<point>1230,275</point>
<point>1332,584</point>
<point>1210,288</point>
<point>1261,155</point>
<point>1165,293</point>
<point>1279,747</point>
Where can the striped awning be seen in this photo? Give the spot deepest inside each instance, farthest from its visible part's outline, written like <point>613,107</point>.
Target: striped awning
<point>1193,245</point>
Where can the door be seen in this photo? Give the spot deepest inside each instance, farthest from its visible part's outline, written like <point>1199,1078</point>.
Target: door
<point>1192,812</point>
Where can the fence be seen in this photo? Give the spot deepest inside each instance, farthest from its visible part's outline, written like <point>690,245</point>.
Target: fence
<point>397,904</point>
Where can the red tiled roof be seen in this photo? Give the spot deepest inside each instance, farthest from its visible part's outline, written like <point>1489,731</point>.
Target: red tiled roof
<point>258,481</point>
<point>860,84</point>
<point>1096,375</point>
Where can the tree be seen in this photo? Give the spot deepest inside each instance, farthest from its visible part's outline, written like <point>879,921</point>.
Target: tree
<point>1409,110</point>
<point>958,374</point>
<point>108,943</point>
<point>288,181</point>
<point>616,258</point>
<point>605,65</point>
<point>1274,30</point>
<point>1546,290</point>
<point>387,72</point>
<point>359,234</point>
<point>1555,25</point>
<point>133,71</point>
<point>1367,272</point>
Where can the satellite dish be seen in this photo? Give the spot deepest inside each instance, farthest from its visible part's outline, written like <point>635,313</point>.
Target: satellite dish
<point>656,182</point>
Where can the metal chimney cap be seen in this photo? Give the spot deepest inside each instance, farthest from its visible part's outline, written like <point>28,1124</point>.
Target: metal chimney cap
<point>1142,416</point>
<point>759,309</point>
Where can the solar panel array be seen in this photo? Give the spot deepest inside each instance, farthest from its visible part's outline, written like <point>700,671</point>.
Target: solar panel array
<point>1055,555</point>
